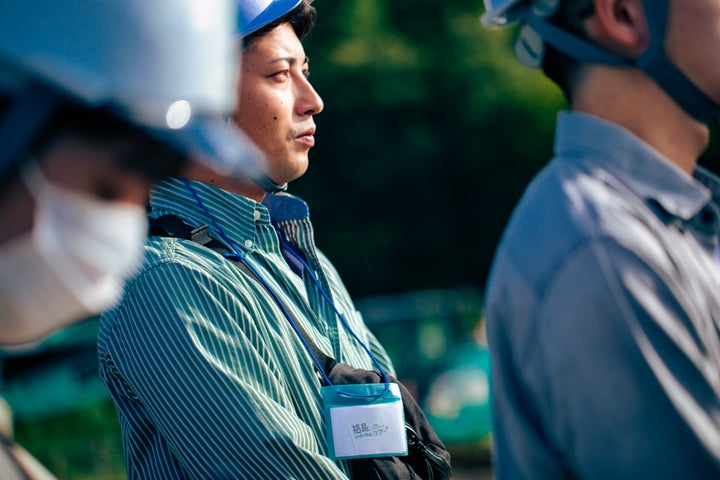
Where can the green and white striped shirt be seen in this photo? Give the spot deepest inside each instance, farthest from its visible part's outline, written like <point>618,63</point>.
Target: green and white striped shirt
<point>208,377</point>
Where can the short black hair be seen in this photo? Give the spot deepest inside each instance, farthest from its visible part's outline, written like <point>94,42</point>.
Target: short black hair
<point>301,18</point>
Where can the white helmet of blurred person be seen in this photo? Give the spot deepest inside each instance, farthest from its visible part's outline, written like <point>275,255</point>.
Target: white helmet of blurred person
<point>97,99</point>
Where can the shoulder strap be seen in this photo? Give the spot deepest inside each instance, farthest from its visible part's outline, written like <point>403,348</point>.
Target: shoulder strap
<point>174,227</point>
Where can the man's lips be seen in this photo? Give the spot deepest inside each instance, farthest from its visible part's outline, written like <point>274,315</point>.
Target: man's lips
<point>307,137</point>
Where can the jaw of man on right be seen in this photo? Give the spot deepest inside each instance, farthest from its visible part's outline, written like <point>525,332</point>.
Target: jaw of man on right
<point>632,99</point>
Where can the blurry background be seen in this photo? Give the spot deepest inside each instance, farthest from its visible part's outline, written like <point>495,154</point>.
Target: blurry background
<point>430,133</point>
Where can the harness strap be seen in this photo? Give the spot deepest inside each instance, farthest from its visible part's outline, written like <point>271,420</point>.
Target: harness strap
<point>172,226</point>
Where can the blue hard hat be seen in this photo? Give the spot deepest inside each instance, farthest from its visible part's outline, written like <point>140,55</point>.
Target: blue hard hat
<point>255,14</point>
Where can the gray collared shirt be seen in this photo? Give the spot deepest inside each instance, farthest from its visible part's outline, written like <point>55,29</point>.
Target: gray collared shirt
<point>603,314</point>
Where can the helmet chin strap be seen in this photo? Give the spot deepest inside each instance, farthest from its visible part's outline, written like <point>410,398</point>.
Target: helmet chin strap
<point>654,61</point>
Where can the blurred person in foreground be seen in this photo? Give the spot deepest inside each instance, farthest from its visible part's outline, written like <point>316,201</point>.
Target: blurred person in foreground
<point>97,100</point>
<point>209,378</point>
<point>603,303</point>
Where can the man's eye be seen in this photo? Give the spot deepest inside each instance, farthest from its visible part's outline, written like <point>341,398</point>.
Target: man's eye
<point>281,74</point>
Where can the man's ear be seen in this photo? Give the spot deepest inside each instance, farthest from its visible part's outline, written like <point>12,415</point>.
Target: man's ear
<point>619,26</point>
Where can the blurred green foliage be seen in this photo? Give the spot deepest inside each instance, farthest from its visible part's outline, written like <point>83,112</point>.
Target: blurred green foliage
<point>84,444</point>
<point>430,132</point>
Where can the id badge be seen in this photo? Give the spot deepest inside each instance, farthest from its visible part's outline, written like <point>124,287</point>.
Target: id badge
<point>360,427</point>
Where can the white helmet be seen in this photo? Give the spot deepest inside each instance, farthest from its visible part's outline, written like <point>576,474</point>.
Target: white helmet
<point>166,66</point>
<point>538,31</point>
<point>255,14</point>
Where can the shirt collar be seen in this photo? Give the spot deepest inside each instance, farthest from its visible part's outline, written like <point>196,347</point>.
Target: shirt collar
<point>285,207</point>
<point>237,215</point>
<point>234,213</point>
<point>649,174</point>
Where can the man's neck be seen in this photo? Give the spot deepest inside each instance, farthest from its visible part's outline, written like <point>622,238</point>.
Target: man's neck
<point>245,187</point>
<point>632,100</point>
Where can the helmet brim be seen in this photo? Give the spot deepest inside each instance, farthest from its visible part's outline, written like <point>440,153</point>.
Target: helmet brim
<point>217,143</point>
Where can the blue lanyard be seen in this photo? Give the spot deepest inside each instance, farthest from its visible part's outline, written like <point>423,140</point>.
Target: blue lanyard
<point>238,256</point>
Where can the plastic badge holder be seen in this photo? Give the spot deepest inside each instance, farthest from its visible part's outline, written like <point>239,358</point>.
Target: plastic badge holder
<point>369,425</point>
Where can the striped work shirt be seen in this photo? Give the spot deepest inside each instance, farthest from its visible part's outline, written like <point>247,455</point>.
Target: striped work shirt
<point>208,377</point>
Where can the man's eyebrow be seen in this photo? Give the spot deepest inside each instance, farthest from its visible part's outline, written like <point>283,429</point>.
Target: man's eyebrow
<point>290,60</point>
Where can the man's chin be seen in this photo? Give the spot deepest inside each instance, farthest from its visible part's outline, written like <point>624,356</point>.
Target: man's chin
<point>287,175</point>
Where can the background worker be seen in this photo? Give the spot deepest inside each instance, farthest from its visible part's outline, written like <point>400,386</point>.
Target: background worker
<point>602,304</point>
<point>83,135</point>
<point>98,99</point>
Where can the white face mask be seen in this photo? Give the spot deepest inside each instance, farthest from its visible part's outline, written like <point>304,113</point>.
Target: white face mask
<point>72,264</point>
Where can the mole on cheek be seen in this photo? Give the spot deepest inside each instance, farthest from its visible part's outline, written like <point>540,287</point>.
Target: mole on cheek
<point>274,118</point>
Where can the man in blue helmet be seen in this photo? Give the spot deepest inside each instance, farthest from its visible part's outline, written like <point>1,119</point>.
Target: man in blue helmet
<point>208,374</point>
<point>602,304</point>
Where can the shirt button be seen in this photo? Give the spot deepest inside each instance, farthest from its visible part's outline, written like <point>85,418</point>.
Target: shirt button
<point>257,214</point>
<point>248,243</point>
